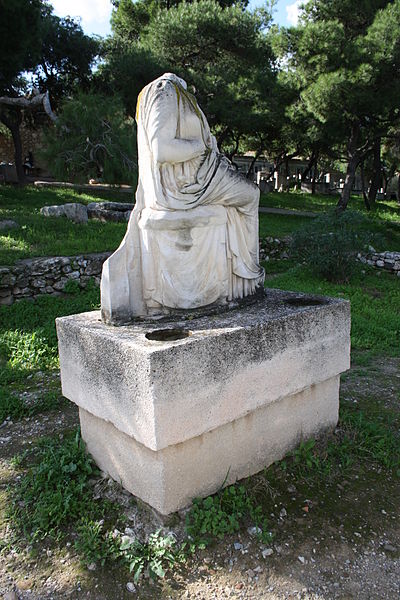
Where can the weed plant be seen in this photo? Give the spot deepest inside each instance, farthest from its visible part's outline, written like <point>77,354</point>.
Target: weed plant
<point>224,513</point>
<point>54,491</point>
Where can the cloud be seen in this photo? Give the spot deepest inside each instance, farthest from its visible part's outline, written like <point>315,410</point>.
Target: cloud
<point>94,14</point>
<point>293,12</point>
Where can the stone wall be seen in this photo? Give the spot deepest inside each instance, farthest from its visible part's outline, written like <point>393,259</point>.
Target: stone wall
<point>34,277</point>
<point>390,261</point>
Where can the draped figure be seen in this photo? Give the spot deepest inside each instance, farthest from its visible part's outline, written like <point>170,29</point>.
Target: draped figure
<point>192,238</point>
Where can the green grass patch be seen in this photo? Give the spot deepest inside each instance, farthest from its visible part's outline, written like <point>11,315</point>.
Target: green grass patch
<point>54,491</point>
<point>53,499</point>
<point>375,304</point>
<point>225,513</point>
<point>384,222</point>
<point>28,343</point>
<point>50,236</point>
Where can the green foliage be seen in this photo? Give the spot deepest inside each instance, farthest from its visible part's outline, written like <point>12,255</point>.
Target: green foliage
<point>359,438</point>
<point>54,491</point>
<point>28,342</point>
<point>372,440</point>
<point>15,406</point>
<point>94,543</point>
<point>329,244</point>
<point>19,32</point>
<point>92,139</point>
<point>224,513</point>
<point>66,57</point>
<point>156,556</point>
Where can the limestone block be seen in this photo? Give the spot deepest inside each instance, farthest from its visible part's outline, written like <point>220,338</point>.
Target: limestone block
<point>169,479</point>
<point>164,393</point>
<point>76,212</point>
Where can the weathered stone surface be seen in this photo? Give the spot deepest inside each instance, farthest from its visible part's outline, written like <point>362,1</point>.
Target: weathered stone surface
<point>53,211</point>
<point>45,274</point>
<point>390,261</point>
<point>76,212</point>
<point>8,224</point>
<point>110,211</point>
<point>169,479</point>
<point>159,401</point>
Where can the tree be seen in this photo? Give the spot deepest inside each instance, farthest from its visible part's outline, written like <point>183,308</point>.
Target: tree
<point>347,60</point>
<point>130,18</point>
<point>54,51</point>
<point>92,138</point>
<point>220,48</point>
<point>66,57</point>
<point>19,33</point>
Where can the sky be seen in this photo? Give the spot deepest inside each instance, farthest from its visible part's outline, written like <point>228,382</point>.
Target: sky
<point>95,14</point>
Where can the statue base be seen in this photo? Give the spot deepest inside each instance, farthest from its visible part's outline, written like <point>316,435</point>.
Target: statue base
<point>177,412</point>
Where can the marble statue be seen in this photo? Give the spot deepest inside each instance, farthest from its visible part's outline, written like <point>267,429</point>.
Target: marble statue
<point>192,238</point>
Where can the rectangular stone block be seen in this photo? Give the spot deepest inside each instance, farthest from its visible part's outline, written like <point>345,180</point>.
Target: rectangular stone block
<point>169,416</point>
<point>169,479</point>
<point>162,393</point>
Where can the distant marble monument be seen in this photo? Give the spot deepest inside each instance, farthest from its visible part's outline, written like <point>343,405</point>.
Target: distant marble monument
<point>192,238</point>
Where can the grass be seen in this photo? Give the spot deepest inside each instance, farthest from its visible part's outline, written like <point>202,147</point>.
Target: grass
<point>50,236</point>
<point>44,236</point>
<point>375,303</point>
<point>28,343</point>
<point>53,498</point>
<point>384,222</point>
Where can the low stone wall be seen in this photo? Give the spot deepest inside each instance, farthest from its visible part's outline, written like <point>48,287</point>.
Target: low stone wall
<point>390,261</point>
<point>274,248</point>
<point>34,277</point>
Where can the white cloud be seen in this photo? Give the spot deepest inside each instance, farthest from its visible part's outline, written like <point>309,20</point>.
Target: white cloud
<point>293,12</point>
<point>94,14</point>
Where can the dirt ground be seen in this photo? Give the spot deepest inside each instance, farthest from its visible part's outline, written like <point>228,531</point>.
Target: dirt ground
<point>336,540</point>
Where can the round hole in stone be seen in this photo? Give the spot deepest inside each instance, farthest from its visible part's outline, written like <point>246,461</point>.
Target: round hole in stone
<point>167,335</point>
<point>305,301</point>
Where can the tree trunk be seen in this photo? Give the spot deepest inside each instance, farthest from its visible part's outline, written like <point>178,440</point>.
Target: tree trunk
<point>253,162</point>
<point>308,168</point>
<point>377,174</point>
<point>366,200</point>
<point>398,188</point>
<point>354,160</point>
<point>314,175</point>
<point>13,124</point>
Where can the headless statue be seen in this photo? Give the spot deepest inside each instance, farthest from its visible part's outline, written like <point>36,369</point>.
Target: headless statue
<point>192,238</point>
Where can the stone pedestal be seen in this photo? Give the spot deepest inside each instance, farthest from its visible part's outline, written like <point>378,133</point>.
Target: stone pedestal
<point>174,409</point>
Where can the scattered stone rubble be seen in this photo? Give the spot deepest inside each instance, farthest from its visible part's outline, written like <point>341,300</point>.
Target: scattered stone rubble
<point>79,213</point>
<point>390,261</point>
<point>274,248</point>
<point>34,277</point>
<point>8,224</point>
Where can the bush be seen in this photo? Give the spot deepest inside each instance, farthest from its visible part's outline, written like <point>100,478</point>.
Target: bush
<point>92,138</point>
<point>330,243</point>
